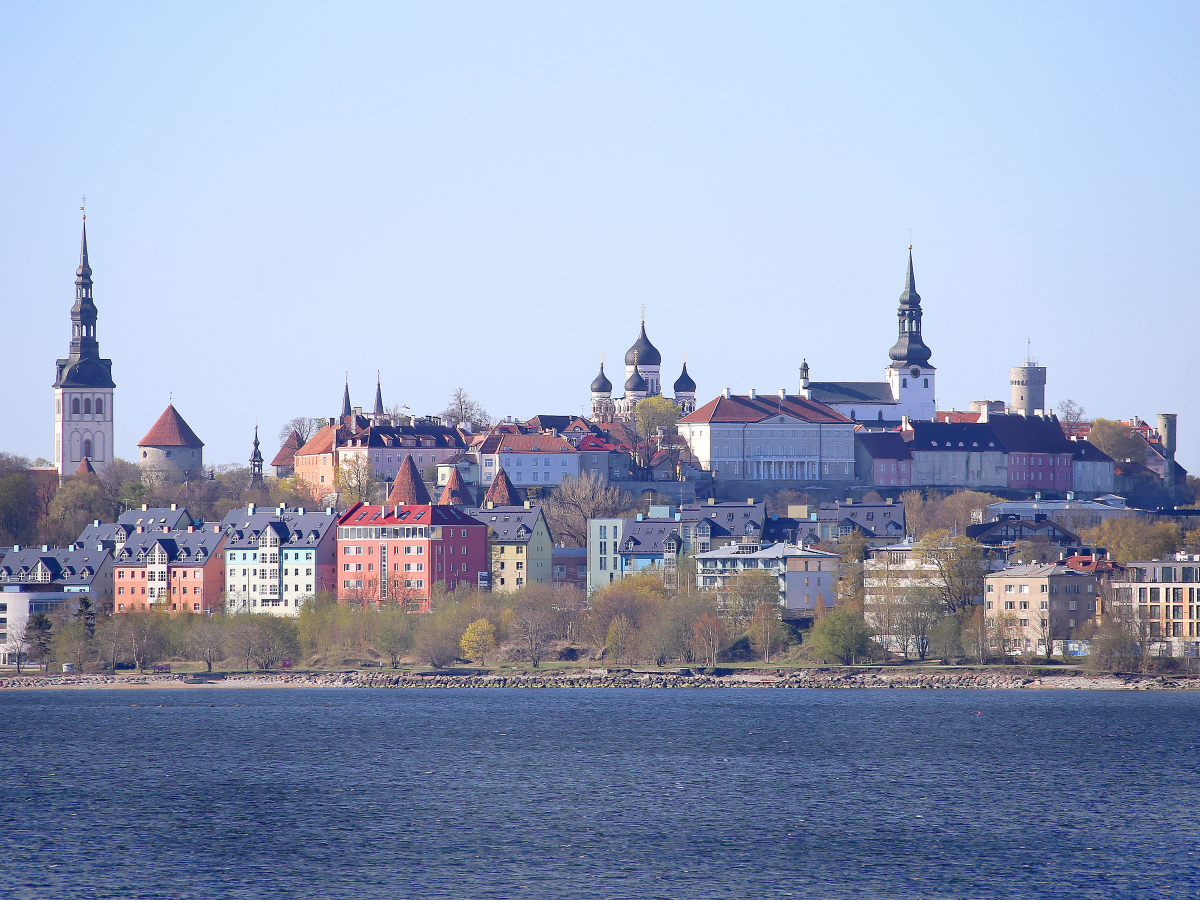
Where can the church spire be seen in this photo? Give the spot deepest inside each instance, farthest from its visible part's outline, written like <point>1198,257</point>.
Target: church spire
<point>909,349</point>
<point>378,411</point>
<point>347,410</point>
<point>256,465</point>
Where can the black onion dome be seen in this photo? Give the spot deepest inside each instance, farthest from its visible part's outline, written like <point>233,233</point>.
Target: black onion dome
<point>636,382</point>
<point>643,353</point>
<point>684,383</point>
<point>601,385</point>
<point>910,348</point>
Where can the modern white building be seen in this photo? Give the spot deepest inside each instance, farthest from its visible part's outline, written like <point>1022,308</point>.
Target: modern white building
<point>807,578</point>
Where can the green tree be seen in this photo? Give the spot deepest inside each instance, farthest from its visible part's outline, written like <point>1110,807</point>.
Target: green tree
<point>1117,440</point>
<point>76,505</point>
<point>394,633</point>
<point>74,643</point>
<point>958,568</point>
<point>356,481</point>
<point>18,516</point>
<point>840,635</point>
<point>479,640</point>
<point>39,632</point>
<point>1133,538</point>
<point>654,413</point>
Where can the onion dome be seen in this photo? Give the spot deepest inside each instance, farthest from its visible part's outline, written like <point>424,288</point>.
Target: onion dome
<point>636,382</point>
<point>643,352</point>
<point>601,385</point>
<point>684,383</point>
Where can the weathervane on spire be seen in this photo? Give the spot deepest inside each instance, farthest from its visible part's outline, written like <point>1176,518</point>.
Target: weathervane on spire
<point>83,206</point>
<point>643,313</point>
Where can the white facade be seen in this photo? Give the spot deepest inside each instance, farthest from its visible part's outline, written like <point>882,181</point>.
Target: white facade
<point>807,578</point>
<point>783,448</point>
<point>530,469</point>
<point>83,426</point>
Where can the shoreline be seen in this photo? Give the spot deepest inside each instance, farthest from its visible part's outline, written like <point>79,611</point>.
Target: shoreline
<point>852,679</point>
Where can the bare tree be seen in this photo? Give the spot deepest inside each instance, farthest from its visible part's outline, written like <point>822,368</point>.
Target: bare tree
<point>145,631</point>
<point>533,620</point>
<point>461,408</point>
<point>18,641</point>
<point>207,639</point>
<point>304,426</point>
<point>919,514</point>
<point>356,481</point>
<point>765,629</point>
<point>112,635</point>
<point>959,566</point>
<point>708,637</point>
<point>1071,416</point>
<point>575,500</point>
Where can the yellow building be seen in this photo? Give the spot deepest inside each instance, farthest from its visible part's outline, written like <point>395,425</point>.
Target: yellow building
<point>521,545</point>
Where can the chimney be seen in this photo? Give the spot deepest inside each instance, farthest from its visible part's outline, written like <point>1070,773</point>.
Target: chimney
<point>783,393</point>
<point>174,507</point>
<point>249,509</point>
<point>753,394</point>
<point>888,501</point>
<point>145,508</point>
<point>725,393</point>
<point>905,423</point>
<point>712,501</point>
<point>749,501</point>
<point>528,504</point>
<point>191,529</point>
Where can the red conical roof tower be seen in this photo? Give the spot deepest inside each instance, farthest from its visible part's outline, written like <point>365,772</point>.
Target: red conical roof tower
<point>408,488</point>
<point>456,493</point>
<point>502,492</point>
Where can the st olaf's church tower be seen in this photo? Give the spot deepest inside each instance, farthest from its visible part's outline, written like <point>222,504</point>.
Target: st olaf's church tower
<point>83,388</point>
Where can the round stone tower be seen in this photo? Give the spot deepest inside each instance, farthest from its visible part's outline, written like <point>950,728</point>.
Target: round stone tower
<point>1028,384</point>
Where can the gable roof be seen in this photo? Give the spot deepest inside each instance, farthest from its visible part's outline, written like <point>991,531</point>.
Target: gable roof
<point>883,444</point>
<point>408,488</point>
<point>501,491</point>
<point>975,437</point>
<point>737,409</point>
<point>851,392</point>
<point>525,443</point>
<point>405,514</point>
<point>1086,451</point>
<point>287,453</point>
<point>511,524</point>
<point>87,472</point>
<point>1030,434</point>
<point>170,431</point>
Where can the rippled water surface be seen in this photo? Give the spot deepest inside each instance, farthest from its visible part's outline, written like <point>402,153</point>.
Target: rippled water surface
<point>204,793</point>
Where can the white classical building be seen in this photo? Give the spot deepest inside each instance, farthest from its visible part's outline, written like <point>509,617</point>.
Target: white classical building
<point>770,437</point>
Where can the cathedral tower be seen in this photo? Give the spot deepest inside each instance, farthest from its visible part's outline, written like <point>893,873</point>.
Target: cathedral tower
<point>83,386</point>
<point>909,374</point>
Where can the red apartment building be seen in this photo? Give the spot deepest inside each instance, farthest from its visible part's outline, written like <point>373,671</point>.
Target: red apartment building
<point>400,552</point>
<point>178,571</point>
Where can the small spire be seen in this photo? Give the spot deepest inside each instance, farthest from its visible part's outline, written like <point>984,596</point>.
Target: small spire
<point>910,282</point>
<point>347,409</point>
<point>378,396</point>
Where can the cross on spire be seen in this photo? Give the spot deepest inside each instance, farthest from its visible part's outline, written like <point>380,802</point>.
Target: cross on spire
<point>83,206</point>
<point>643,313</point>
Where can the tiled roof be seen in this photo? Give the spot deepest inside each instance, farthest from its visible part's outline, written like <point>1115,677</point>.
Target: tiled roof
<point>170,431</point>
<point>401,436</point>
<point>287,452</point>
<point>740,409</point>
<point>525,443</point>
<point>501,491</point>
<point>456,492</point>
<point>406,514</point>
<point>1086,451</point>
<point>975,437</point>
<point>87,471</point>
<point>883,444</point>
<point>955,416</point>
<point>408,488</point>
<point>69,566</point>
<point>156,518</point>
<point>181,546</point>
<point>591,442</point>
<point>321,442</point>
<point>1030,434</point>
<point>851,392</point>
<point>513,524</point>
<point>294,527</point>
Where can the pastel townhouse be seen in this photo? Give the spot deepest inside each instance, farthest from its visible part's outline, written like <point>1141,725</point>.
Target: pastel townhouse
<point>400,552</point>
<point>277,558</point>
<point>175,571</point>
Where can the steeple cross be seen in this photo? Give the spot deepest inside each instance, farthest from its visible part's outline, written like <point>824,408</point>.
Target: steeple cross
<point>643,313</point>
<point>83,207</point>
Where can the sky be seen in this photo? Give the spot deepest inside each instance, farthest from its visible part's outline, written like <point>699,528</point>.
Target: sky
<point>485,195</point>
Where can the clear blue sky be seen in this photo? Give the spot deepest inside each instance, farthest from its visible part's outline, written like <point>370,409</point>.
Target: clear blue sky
<point>483,195</point>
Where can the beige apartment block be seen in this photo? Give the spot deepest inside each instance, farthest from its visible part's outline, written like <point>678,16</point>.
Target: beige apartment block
<point>1033,607</point>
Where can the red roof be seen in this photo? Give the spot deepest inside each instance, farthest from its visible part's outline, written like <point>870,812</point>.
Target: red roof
<point>409,514</point>
<point>955,416</point>
<point>591,442</point>
<point>87,471</point>
<point>525,443</point>
<point>743,409</point>
<point>170,431</point>
<point>408,486</point>
<point>501,492</point>
<point>287,453</point>
<point>456,492</point>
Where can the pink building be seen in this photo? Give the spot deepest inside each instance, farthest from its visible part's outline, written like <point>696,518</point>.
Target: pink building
<point>883,459</point>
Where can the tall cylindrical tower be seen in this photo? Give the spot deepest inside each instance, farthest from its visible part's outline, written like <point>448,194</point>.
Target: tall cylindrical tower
<point>1028,384</point>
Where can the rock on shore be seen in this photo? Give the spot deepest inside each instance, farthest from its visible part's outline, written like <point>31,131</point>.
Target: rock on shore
<point>619,678</point>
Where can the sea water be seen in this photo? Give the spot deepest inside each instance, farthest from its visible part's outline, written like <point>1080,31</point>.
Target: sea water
<point>605,793</point>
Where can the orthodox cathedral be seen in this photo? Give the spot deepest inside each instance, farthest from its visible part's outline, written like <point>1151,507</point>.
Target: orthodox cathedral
<point>643,364</point>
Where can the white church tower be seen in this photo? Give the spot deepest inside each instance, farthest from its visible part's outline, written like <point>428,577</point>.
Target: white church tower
<point>83,388</point>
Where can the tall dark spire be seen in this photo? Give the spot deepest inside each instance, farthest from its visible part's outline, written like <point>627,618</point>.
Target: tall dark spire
<point>378,397</point>
<point>256,465</point>
<point>910,349</point>
<point>83,366</point>
<point>347,410</point>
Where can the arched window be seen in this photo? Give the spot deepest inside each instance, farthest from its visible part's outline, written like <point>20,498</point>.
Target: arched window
<point>99,406</point>
<point>926,382</point>
<point>143,454</point>
<point>75,406</point>
<point>87,406</point>
<point>87,447</point>
<point>903,382</point>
